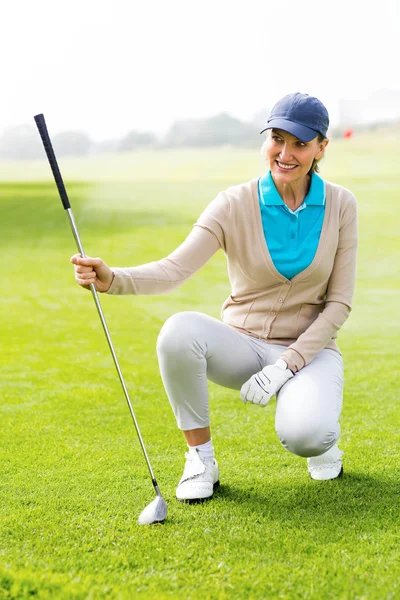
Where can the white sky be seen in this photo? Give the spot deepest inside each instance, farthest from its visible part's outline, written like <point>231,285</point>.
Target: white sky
<point>106,67</point>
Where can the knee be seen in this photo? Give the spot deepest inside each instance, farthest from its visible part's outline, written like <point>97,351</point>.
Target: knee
<point>178,333</point>
<point>307,438</point>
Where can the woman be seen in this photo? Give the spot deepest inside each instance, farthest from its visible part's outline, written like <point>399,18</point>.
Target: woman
<point>290,239</point>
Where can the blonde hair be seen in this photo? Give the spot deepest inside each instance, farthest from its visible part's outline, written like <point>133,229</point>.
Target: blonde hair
<point>314,167</point>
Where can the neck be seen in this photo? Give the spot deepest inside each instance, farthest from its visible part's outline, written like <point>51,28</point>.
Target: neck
<point>293,194</point>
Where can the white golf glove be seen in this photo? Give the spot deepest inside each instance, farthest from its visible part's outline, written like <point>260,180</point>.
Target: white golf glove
<point>260,388</point>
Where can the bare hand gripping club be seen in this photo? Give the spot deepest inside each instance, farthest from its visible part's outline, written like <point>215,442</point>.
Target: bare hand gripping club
<point>156,511</point>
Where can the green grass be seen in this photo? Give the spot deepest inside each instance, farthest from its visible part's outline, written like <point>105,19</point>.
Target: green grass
<point>73,479</point>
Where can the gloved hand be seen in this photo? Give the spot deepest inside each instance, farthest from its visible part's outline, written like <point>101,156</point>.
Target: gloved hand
<point>260,388</point>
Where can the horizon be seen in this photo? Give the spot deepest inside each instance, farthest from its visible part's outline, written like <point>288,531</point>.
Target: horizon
<point>335,128</point>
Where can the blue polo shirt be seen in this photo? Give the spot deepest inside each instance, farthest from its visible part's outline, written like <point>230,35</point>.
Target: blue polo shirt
<point>292,236</point>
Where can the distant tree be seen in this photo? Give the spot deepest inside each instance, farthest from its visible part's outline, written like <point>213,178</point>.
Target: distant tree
<point>109,146</point>
<point>72,143</point>
<point>216,131</point>
<point>184,133</point>
<point>136,139</point>
<point>21,142</point>
<point>225,129</point>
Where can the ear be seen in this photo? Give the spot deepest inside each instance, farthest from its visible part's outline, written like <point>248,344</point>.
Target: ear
<point>322,147</point>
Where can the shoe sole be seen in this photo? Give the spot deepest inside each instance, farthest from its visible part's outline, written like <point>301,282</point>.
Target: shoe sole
<point>199,500</point>
<point>333,478</point>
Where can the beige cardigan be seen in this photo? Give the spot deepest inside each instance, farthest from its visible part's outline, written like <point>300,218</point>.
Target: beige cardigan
<point>303,313</point>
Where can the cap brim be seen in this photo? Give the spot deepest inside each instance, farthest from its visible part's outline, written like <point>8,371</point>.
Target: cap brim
<point>304,134</point>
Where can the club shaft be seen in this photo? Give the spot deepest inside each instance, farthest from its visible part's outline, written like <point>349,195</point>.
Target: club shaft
<point>121,378</point>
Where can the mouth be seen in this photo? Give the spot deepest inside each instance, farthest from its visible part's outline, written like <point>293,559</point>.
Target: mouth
<point>285,167</point>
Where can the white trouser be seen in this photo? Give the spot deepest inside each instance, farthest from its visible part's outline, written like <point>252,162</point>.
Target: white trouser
<point>193,347</point>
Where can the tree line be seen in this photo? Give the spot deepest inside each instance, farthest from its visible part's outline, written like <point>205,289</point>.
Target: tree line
<point>23,142</point>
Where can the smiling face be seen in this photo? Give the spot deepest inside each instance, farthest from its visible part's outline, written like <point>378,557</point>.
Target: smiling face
<point>289,159</point>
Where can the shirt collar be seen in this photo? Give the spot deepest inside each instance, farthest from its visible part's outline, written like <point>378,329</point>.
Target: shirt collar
<point>270,195</point>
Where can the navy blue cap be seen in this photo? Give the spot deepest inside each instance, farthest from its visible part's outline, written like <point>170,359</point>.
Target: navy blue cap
<point>301,115</point>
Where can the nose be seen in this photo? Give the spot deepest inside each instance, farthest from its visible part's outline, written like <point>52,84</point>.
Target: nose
<point>285,153</point>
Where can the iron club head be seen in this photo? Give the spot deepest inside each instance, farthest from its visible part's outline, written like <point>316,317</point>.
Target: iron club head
<point>155,512</point>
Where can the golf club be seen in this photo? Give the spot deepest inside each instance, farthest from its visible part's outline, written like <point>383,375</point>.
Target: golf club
<point>156,511</point>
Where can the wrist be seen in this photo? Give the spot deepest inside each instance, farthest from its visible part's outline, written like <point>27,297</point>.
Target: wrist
<point>111,282</point>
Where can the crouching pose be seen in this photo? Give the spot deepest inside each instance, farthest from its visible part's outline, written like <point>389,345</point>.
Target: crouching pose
<point>290,239</point>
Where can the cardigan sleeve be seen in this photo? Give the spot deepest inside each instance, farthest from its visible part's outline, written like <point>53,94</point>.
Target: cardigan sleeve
<point>215,218</point>
<point>167,274</point>
<point>338,297</point>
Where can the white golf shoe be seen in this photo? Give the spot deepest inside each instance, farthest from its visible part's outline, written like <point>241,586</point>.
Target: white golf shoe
<point>200,478</point>
<point>327,466</point>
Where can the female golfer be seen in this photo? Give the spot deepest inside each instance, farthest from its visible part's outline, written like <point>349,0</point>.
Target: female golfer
<point>290,239</point>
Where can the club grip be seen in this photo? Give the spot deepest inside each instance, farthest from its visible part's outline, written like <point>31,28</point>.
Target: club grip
<point>44,134</point>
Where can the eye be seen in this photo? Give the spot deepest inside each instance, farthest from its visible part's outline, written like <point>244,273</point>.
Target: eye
<point>300,144</point>
<point>276,138</point>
